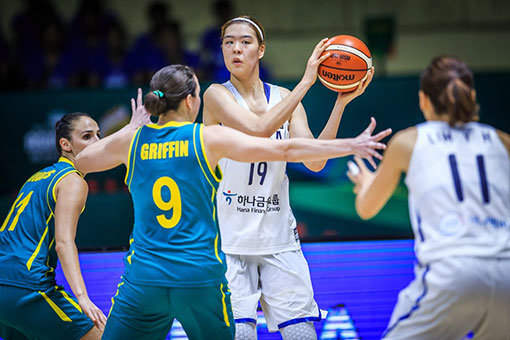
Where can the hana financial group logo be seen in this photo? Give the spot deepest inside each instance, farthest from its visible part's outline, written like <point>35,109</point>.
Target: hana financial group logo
<point>228,196</point>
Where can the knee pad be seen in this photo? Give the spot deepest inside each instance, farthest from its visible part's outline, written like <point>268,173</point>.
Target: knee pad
<point>299,331</point>
<point>246,331</point>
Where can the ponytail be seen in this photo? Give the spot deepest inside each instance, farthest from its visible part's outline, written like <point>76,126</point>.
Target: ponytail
<point>460,102</point>
<point>449,84</point>
<point>169,86</point>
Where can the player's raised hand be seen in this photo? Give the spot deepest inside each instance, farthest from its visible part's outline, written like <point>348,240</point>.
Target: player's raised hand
<point>315,60</point>
<point>366,145</point>
<point>139,116</point>
<point>347,97</point>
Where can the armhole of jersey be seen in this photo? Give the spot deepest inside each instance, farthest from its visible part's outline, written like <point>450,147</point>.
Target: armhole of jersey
<point>132,157</point>
<point>200,155</point>
<point>267,91</point>
<point>216,173</point>
<point>413,153</point>
<point>53,185</point>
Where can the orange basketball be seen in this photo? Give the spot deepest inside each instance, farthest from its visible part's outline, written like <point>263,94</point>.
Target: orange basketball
<point>348,64</point>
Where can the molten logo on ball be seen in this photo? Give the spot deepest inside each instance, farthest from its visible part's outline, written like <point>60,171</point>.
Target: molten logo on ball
<point>348,63</point>
<point>337,77</point>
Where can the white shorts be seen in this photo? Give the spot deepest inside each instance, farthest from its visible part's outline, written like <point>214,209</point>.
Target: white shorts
<point>282,284</point>
<point>452,297</point>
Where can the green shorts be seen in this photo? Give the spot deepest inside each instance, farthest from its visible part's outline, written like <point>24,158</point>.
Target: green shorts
<point>147,313</point>
<point>51,314</point>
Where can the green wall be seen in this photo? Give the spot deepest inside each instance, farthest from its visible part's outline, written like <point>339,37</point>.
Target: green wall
<point>322,203</point>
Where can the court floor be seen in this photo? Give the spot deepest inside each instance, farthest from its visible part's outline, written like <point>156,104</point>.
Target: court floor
<point>357,282</point>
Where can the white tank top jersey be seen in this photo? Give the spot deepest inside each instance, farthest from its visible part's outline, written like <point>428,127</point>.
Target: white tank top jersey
<point>459,192</point>
<point>254,213</point>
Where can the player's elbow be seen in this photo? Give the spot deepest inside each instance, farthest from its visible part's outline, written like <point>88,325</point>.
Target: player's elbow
<point>315,166</point>
<point>364,212</point>
<point>61,246</point>
<point>260,130</point>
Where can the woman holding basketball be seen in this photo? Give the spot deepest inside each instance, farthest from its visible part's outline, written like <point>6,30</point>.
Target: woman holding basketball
<point>175,268</point>
<point>258,228</point>
<point>458,175</point>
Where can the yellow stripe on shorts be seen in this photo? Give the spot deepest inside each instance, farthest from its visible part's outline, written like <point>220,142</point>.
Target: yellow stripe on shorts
<point>71,301</point>
<point>56,308</point>
<point>225,314</point>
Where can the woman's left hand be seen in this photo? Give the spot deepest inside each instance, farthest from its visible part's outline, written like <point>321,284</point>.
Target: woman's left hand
<point>139,116</point>
<point>347,97</point>
<point>359,174</point>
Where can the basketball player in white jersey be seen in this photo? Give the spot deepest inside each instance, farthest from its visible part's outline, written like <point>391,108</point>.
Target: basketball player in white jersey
<point>258,229</point>
<point>458,175</point>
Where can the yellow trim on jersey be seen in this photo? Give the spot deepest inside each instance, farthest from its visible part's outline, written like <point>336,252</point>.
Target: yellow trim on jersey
<point>48,258</point>
<point>32,258</point>
<point>53,191</point>
<point>216,248</point>
<point>213,194</point>
<point>56,308</point>
<point>168,124</point>
<point>67,160</point>
<point>128,258</point>
<point>128,165</point>
<point>198,158</point>
<point>58,181</point>
<point>203,171</point>
<point>225,314</point>
<point>205,156</point>
<point>71,301</point>
<point>117,293</point>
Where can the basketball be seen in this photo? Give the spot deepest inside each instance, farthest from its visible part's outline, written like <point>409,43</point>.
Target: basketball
<point>348,64</point>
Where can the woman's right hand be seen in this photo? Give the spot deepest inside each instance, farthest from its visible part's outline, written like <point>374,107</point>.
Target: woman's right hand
<point>314,61</point>
<point>93,312</point>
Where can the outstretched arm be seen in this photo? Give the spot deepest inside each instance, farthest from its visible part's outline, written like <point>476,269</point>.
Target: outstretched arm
<point>71,193</point>
<point>113,150</point>
<point>373,190</point>
<point>221,107</point>
<point>299,123</point>
<point>106,153</point>
<point>225,142</point>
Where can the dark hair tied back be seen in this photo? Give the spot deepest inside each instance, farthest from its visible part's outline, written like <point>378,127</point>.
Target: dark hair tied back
<point>65,126</point>
<point>169,86</point>
<point>449,84</point>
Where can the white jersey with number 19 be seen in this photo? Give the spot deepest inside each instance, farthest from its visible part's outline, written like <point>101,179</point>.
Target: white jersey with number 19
<point>459,192</point>
<point>254,213</point>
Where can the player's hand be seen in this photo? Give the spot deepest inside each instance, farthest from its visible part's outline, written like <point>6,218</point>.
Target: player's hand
<point>346,98</point>
<point>365,145</point>
<point>314,61</point>
<point>94,313</point>
<point>139,116</point>
<point>358,173</point>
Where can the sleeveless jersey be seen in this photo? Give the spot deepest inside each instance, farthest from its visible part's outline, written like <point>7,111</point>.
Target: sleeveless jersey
<point>175,240</point>
<point>27,235</point>
<point>459,192</point>
<point>253,199</point>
